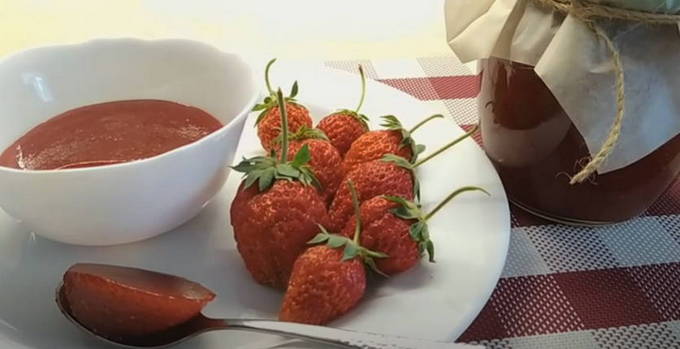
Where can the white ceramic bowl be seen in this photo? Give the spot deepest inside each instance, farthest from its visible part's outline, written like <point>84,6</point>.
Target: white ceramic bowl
<point>131,201</point>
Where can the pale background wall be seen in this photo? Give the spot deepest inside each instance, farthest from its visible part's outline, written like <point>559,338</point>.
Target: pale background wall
<point>317,29</point>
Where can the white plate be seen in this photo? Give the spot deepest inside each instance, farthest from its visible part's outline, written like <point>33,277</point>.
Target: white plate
<point>433,301</point>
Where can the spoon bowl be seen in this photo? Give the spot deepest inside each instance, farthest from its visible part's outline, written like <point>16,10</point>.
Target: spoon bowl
<point>201,324</point>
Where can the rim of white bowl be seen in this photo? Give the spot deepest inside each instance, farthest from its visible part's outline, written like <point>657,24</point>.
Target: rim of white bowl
<point>243,113</point>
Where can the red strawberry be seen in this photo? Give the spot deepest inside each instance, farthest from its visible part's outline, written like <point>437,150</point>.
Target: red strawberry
<point>273,221</point>
<point>322,287</point>
<point>345,126</point>
<point>394,139</point>
<point>342,129</point>
<point>272,228</point>
<point>119,302</point>
<point>269,120</point>
<point>327,282</point>
<point>374,145</point>
<point>325,161</point>
<point>391,175</point>
<point>387,233</point>
<point>371,179</point>
<point>398,228</point>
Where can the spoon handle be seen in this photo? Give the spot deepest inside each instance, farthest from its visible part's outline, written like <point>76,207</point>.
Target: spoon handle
<point>338,337</point>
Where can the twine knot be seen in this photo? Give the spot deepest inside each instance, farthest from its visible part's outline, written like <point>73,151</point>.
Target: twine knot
<point>590,12</point>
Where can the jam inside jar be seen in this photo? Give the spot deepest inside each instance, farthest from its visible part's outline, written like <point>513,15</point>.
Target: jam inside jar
<point>535,147</point>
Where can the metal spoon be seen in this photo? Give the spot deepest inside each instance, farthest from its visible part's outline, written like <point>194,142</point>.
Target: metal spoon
<point>320,334</point>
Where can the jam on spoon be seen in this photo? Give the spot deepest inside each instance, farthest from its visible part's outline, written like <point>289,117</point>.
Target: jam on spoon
<point>118,302</point>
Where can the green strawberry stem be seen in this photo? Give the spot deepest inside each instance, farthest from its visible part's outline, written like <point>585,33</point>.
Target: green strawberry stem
<point>450,197</point>
<point>363,88</point>
<point>266,76</point>
<point>417,126</point>
<point>357,211</point>
<point>444,148</point>
<point>284,125</point>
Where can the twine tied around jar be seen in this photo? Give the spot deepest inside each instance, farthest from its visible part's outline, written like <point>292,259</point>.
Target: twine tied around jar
<point>589,12</point>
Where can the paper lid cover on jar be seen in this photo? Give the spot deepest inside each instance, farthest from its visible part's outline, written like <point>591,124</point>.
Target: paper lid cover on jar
<point>575,46</point>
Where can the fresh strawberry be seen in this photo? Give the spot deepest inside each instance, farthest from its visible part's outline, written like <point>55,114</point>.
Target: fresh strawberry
<point>374,145</point>
<point>398,228</point>
<point>325,161</point>
<point>371,179</point>
<point>272,228</point>
<point>385,232</point>
<point>345,126</point>
<point>391,175</point>
<point>273,221</point>
<point>394,139</point>
<point>327,282</point>
<point>269,120</point>
<point>322,287</point>
<point>122,303</point>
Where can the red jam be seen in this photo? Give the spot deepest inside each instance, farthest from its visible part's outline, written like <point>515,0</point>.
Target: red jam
<point>534,147</point>
<point>120,302</point>
<point>108,133</point>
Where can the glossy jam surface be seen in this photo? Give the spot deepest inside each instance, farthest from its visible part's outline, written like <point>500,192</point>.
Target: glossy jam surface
<point>108,133</point>
<point>120,302</point>
<point>534,147</point>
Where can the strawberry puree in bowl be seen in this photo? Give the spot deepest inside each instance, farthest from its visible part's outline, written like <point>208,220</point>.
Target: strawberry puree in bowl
<point>123,201</point>
<point>108,133</point>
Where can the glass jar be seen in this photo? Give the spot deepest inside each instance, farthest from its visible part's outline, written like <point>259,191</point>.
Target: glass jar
<point>535,147</point>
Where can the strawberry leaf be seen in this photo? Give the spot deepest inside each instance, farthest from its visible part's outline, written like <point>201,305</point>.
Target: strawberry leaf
<point>266,178</point>
<point>251,179</point>
<point>286,171</point>
<point>376,254</point>
<point>302,156</point>
<point>429,246</point>
<point>259,107</point>
<point>406,209</point>
<point>350,252</point>
<point>243,166</point>
<point>319,238</point>
<point>406,139</point>
<point>420,233</point>
<point>294,90</point>
<point>371,264</point>
<point>416,231</point>
<point>307,177</point>
<point>336,241</point>
<point>416,187</point>
<point>391,122</point>
<point>397,160</point>
<point>262,114</point>
<point>332,240</point>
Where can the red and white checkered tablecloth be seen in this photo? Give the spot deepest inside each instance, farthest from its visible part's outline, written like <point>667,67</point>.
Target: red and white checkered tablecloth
<point>562,286</point>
